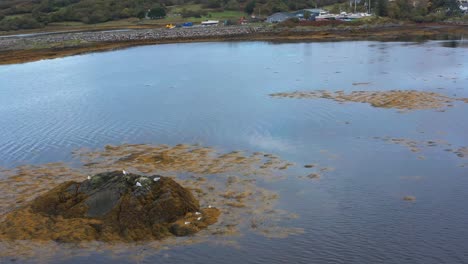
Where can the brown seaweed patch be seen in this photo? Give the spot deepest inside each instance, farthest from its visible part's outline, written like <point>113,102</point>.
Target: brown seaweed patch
<point>420,145</point>
<point>182,158</point>
<point>22,184</point>
<point>409,198</point>
<point>313,176</point>
<point>461,152</point>
<point>225,181</point>
<point>397,99</point>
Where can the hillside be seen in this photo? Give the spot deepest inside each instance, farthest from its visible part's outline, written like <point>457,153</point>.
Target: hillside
<point>25,14</point>
<point>30,14</point>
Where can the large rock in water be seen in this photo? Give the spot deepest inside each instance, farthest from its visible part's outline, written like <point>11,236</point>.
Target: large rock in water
<point>110,207</point>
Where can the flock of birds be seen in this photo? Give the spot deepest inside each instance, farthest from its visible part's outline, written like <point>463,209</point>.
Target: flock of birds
<point>138,184</point>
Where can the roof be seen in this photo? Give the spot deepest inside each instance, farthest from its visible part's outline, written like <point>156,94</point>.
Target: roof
<point>281,14</point>
<point>314,10</point>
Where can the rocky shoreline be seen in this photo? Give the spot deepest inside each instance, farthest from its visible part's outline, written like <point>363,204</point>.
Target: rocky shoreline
<point>13,43</point>
<point>18,49</point>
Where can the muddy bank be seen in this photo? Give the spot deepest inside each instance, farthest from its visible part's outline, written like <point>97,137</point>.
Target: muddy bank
<point>25,49</point>
<point>110,207</point>
<point>405,100</point>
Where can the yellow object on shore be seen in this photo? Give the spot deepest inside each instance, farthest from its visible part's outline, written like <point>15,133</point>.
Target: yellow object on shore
<point>169,26</point>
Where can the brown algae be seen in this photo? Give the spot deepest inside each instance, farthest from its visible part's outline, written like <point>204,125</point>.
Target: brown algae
<point>225,181</point>
<point>397,99</point>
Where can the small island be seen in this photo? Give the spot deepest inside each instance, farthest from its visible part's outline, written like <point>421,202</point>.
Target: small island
<point>110,206</point>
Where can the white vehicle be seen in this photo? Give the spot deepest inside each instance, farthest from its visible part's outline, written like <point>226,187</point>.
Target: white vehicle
<point>210,23</point>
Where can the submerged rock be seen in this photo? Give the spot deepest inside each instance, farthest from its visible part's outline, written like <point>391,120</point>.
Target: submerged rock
<point>110,207</point>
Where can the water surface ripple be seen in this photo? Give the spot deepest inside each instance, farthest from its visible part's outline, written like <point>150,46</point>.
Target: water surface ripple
<point>217,94</point>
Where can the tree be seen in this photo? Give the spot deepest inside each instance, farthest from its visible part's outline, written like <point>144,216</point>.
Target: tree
<point>23,22</point>
<point>125,13</point>
<point>381,8</point>
<point>98,17</point>
<point>156,12</point>
<point>277,6</point>
<point>249,8</point>
<point>450,5</point>
<point>335,9</point>
<point>400,9</point>
<point>141,14</point>
<point>212,4</point>
<point>232,5</point>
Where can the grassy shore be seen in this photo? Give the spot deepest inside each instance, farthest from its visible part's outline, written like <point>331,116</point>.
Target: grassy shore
<point>50,49</point>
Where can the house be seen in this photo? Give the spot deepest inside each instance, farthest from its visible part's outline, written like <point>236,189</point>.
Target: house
<point>464,7</point>
<point>279,17</point>
<point>315,11</point>
<point>283,16</point>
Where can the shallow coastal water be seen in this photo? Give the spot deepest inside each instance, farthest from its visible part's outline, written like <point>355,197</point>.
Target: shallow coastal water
<point>217,95</point>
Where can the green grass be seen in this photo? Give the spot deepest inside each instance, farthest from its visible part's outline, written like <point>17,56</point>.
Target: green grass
<point>15,16</point>
<point>221,16</point>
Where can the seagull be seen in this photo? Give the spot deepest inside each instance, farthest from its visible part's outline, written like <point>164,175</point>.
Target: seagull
<point>209,206</point>
<point>197,213</point>
<point>187,223</point>
<point>89,177</point>
<point>138,184</point>
<point>124,172</point>
<point>156,179</point>
<point>199,218</point>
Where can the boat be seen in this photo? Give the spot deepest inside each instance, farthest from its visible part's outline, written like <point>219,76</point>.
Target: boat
<point>325,15</point>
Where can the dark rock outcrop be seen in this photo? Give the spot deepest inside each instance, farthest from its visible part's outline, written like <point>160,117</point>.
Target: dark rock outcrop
<point>110,207</point>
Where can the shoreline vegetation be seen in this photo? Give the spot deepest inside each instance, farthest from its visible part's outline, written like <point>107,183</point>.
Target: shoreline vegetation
<point>49,45</point>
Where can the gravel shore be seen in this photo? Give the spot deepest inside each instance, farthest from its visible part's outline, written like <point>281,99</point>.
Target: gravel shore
<point>33,41</point>
<point>47,45</point>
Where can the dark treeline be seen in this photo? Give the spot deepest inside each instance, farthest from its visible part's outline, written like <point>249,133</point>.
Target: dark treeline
<point>26,14</point>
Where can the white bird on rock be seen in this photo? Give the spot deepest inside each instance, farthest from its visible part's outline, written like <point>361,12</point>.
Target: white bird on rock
<point>124,172</point>
<point>199,218</point>
<point>156,179</point>
<point>89,177</point>
<point>138,184</point>
<point>197,213</point>
<point>209,206</point>
<point>187,223</point>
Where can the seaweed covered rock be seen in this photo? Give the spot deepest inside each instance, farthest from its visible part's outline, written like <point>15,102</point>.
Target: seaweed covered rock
<point>110,207</point>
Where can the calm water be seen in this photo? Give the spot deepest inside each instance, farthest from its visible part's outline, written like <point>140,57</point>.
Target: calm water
<point>216,94</point>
